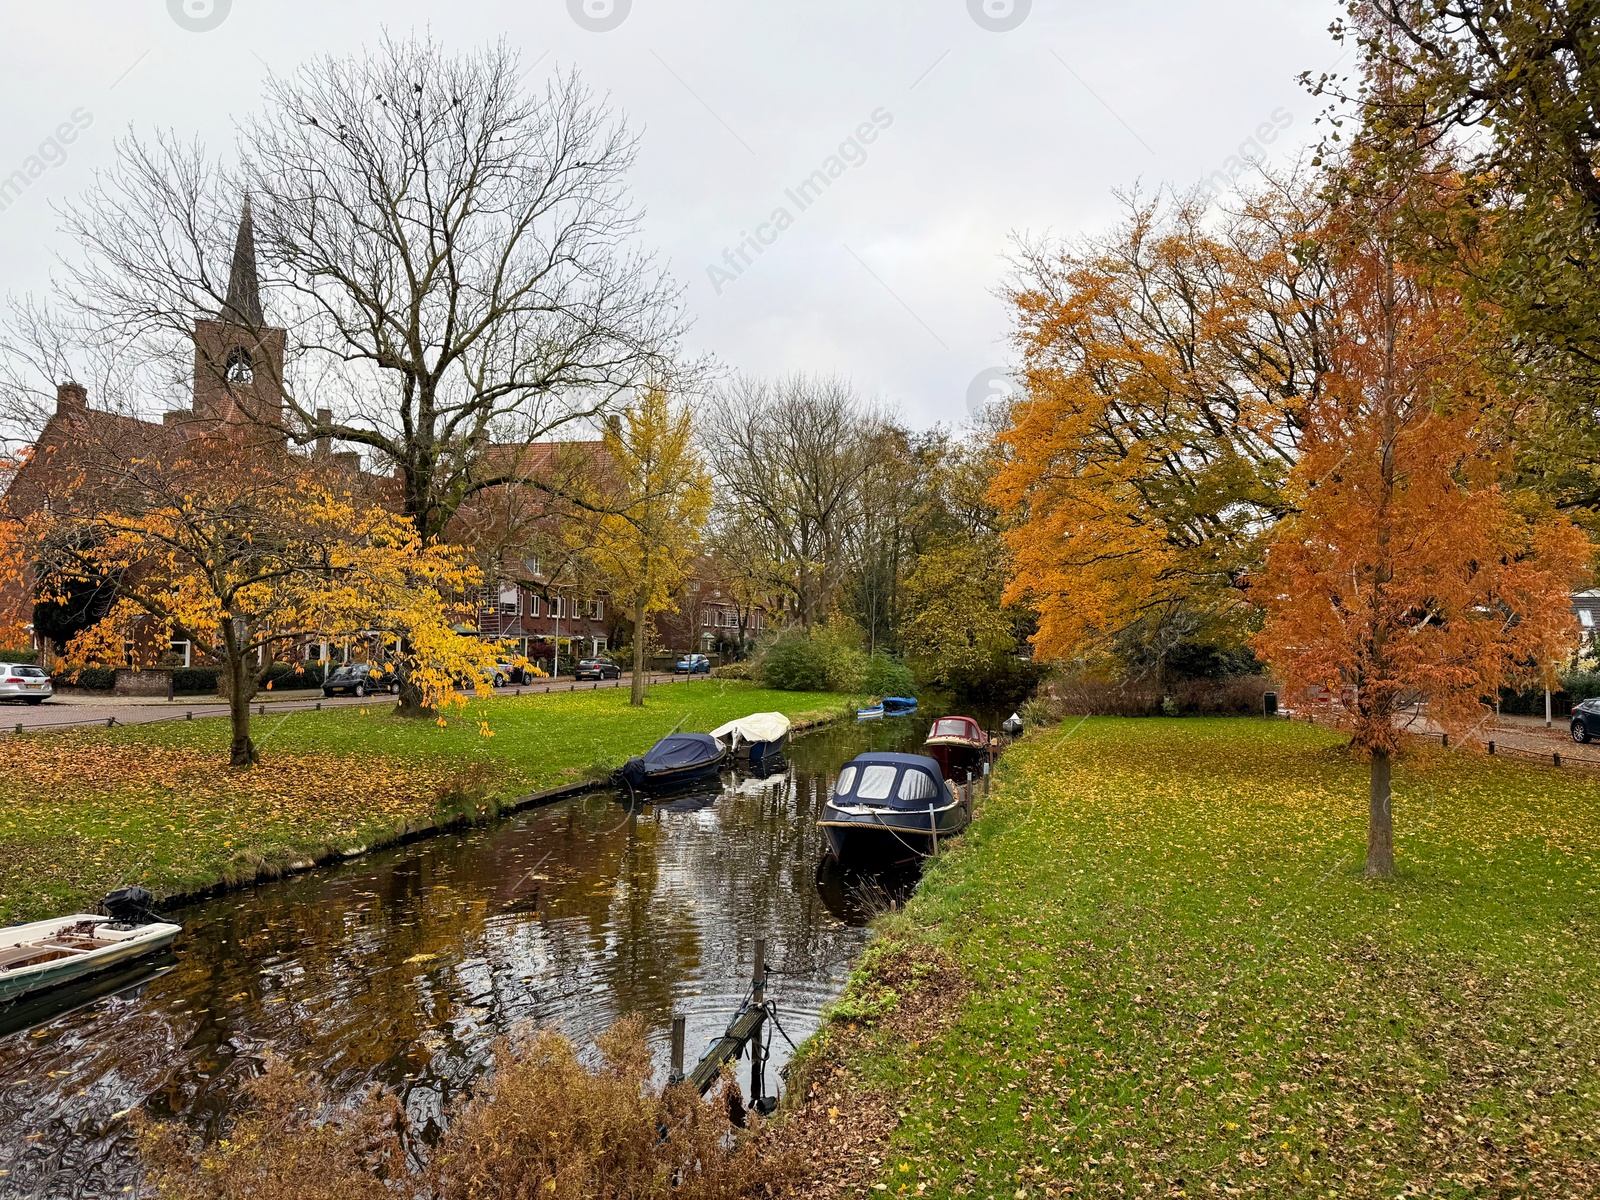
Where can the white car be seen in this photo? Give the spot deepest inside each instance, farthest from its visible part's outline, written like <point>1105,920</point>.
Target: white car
<point>21,681</point>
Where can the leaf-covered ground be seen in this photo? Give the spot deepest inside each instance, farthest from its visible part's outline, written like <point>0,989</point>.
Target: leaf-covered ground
<point>84,811</point>
<point>1180,983</point>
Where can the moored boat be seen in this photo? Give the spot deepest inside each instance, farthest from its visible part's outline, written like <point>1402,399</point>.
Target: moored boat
<point>899,706</point>
<point>679,760</point>
<point>869,714</point>
<point>891,808</point>
<point>757,740</point>
<point>47,954</point>
<point>959,746</point>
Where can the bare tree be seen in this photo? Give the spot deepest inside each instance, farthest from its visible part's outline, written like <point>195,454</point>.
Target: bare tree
<point>790,457</point>
<point>448,261</point>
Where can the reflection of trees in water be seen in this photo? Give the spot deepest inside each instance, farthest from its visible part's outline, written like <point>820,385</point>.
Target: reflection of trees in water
<point>402,969</point>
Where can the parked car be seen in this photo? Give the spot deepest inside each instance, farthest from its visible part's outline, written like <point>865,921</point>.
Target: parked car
<point>1586,721</point>
<point>361,679</point>
<point>693,664</point>
<point>510,673</point>
<point>21,681</point>
<point>597,668</point>
<point>497,676</point>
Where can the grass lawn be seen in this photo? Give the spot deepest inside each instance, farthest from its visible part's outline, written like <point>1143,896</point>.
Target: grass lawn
<point>1176,980</point>
<point>84,811</point>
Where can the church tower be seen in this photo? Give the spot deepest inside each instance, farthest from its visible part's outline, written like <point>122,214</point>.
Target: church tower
<point>238,358</point>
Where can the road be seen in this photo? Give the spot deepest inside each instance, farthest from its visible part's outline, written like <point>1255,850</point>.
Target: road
<point>68,710</point>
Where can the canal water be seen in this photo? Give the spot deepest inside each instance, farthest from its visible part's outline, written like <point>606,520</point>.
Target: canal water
<point>403,967</point>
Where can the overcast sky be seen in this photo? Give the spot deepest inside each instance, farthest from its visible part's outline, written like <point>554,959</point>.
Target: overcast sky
<point>1017,118</point>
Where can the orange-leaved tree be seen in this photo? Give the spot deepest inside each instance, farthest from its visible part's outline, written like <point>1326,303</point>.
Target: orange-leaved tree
<point>1143,468</point>
<point>1410,567</point>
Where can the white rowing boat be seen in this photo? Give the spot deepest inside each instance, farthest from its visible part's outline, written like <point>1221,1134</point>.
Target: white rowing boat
<point>46,954</point>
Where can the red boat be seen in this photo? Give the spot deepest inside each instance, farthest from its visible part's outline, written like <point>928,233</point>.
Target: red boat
<point>959,746</point>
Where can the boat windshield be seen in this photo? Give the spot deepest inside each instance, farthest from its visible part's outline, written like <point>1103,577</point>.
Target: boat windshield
<point>847,779</point>
<point>877,781</point>
<point>952,728</point>
<point>917,786</point>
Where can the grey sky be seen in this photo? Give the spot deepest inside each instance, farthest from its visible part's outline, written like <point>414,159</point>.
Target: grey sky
<point>887,276</point>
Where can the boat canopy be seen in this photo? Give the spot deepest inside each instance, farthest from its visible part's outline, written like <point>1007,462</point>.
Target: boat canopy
<point>963,729</point>
<point>752,730</point>
<point>892,781</point>
<point>672,755</point>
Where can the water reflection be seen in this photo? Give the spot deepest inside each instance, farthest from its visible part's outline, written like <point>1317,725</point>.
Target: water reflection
<point>402,968</point>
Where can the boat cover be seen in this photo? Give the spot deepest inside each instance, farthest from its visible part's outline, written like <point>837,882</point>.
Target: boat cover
<point>879,779</point>
<point>962,730</point>
<point>679,753</point>
<point>751,730</point>
<point>899,703</point>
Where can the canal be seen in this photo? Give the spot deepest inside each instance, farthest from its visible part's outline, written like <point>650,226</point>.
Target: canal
<point>403,967</point>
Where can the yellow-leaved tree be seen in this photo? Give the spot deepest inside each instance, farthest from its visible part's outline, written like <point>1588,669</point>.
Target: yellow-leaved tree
<point>243,551</point>
<point>651,496</point>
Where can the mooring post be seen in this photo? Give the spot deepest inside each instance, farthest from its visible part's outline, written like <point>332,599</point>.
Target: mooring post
<point>679,1025</point>
<point>1491,749</point>
<point>758,997</point>
<point>933,828</point>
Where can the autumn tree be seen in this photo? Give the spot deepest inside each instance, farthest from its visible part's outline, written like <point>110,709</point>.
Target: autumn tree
<point>1164,366</point>
<point>241,550</point>
<point>1407,567</point>
<point>653,495</point>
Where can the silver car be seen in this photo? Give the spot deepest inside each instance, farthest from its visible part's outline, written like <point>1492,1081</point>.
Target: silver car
<point>20,681</point>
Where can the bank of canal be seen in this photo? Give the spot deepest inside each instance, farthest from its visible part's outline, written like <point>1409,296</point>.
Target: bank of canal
<point>403,967</point>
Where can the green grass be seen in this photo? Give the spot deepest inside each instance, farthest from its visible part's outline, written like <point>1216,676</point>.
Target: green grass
<point>84,811</point>
<point>1182,984</point>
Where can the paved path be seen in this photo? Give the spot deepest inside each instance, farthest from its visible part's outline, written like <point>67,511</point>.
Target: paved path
<point>77,709</point>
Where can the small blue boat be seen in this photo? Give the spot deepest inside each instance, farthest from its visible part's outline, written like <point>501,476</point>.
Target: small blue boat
<point>899,706</point>
<point>869,714</point>
<point>679,760</point>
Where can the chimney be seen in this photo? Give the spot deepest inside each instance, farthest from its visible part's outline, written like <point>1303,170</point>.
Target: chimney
<point>71,396</point>
<point>324,446</point>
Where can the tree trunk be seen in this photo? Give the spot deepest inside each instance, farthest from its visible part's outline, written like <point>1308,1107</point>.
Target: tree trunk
<point>410,703</point>
<point>637,699</point>
<point>241,688</point>
<point>1380,821</point>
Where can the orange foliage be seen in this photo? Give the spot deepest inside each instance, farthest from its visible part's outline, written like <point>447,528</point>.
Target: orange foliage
<point>1408,566</point>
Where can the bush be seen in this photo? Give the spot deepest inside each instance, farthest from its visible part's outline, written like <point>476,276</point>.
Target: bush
<point>195,681</point>
<point>887,676</point>
<point>30,657</point>
<point>540,1124</point>
<point>823,660</point>
<point>287,676</point>
<point>97,679</point>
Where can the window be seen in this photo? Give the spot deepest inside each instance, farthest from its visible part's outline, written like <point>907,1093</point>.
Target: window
<point>694,586</point>
<point>183,651</point>
<point>705,618</point>
<point>877,781</point>
<point>599,645</point>
<point>1586,618</point>
<point>508,598</point>
<point>532,564</point>
<point>558,607</point>
<point>597,610</point>
<point>847,777</point>
<point>533,606</point>
<point>914,785</point>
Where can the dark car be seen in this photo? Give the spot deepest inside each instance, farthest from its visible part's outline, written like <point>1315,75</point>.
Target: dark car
<point>1586,721</point>
<point>693,664</point>
<point>597,668</point>
<point>361,679</point>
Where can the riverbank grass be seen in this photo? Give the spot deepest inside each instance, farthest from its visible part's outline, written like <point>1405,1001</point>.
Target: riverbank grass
<point>85,811</point>
<point>1179,983</point>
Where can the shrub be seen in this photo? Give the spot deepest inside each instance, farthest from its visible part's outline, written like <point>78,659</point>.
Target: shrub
<point>29,657</point>
<point>888,676</point>
<point>98,679</point>
<point>195,681</point>
<point>541,1124</point>
<point>823,660</point>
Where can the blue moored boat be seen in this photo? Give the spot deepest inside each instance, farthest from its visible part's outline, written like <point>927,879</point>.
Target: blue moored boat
<point>678,760</point>
<point>899,706</point>
<point>891,808</point>
<point>869,714</point>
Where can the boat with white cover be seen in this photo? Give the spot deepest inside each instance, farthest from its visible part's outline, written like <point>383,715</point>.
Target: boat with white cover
<point>46,954</point>
<point>758,739</point>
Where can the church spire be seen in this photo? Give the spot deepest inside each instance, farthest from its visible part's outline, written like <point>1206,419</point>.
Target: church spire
<point>244,286</point>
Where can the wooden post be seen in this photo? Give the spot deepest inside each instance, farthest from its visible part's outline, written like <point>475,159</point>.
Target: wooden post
<point>170,686</point>
<point>933,828</point>
<point>1444,739</point>
<point>1491,749</point>
<point>111,722</point>
<point>1547,708</point>
<point>189,716</point>
<point>758,997</point>
<point>1557,757</point>
<point>679,1025</point>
